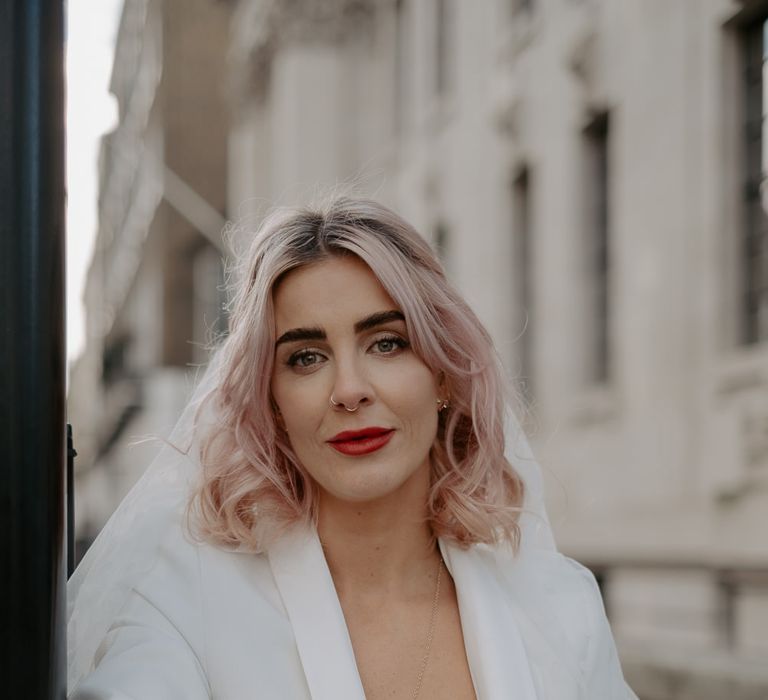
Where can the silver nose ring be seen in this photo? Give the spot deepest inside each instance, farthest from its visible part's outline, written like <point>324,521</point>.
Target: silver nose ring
<point>338,403</point>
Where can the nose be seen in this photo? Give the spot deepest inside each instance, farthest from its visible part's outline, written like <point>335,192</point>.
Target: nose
<point>351,388</point>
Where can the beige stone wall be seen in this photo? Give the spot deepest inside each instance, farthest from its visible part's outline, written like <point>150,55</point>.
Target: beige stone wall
<point>657,477</point>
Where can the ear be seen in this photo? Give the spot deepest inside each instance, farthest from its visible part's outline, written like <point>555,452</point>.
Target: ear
<point>443,392</point>
<point>443,384</point>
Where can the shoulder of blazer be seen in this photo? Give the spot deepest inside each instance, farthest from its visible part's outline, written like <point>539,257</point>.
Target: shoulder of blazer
<point>557,595</point>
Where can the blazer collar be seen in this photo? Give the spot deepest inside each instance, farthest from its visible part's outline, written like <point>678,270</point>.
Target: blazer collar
<point>496,654</point>
<point>306,587</point>
<point>497,657</point>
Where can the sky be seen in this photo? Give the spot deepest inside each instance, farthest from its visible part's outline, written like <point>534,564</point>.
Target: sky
<point>91,112</point>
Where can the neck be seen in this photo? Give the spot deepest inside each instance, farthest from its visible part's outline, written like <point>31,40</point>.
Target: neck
<point>385,547</point>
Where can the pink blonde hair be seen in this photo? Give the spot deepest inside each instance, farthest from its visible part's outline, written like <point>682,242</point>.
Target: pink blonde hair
<point>253,487</point>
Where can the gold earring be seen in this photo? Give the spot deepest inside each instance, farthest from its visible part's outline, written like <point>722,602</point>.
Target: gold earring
<point>442,403</point>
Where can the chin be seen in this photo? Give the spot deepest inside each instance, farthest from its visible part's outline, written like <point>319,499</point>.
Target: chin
<point>377,483</point>
<point>364,493</point>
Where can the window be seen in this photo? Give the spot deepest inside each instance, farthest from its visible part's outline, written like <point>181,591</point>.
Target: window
<point>523,267</point>
<point>443,28</point>
<point>754,239</point>
<point>443,243</point>
<point>596,245</point>
<point>401,65</point>
<point>521,6</point>
<point>209,299</point>
<point>114,361</point>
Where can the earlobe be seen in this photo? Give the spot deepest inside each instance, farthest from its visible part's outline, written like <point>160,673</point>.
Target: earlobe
<point>442,391</point>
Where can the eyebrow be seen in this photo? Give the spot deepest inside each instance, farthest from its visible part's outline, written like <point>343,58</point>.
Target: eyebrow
<point>365,324</point>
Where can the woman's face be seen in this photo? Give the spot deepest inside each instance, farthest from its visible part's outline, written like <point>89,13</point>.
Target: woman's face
<point>340,334</point>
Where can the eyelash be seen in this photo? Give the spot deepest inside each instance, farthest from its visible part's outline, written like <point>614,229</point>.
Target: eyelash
<point>399,343</point>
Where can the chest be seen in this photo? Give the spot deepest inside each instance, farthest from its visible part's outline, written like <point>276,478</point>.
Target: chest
<point>278,629</point>
<point>401,648</point>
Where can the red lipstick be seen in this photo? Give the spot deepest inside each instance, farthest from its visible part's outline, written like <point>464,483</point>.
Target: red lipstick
<point>361,442</point>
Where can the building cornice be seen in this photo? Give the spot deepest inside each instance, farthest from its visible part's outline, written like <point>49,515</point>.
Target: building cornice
<point>263,27</point>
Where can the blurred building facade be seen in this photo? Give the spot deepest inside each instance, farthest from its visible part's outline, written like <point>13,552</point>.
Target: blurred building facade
<point>153,289</point>
<point>591,172</point>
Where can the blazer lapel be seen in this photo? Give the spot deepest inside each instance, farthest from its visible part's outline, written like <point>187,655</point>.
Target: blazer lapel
<point>497,657</point>
<point>306,587</point>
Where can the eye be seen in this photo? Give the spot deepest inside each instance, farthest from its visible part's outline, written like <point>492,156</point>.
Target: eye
<point>304,359</point>
<point>389,344</point>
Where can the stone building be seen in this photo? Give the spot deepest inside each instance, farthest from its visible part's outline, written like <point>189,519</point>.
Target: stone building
<point>592,172</point>
<point>153,291</point>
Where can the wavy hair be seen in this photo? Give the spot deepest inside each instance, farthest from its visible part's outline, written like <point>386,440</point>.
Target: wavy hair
<point>253,487</point>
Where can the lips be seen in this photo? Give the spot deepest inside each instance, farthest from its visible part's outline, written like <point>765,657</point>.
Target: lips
<point>361,442</point>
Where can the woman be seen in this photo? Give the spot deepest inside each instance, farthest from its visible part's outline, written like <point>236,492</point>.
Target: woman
<point>356,529</point>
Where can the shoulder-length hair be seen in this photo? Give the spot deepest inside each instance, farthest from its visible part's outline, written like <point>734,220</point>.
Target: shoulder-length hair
<point>253,487</point>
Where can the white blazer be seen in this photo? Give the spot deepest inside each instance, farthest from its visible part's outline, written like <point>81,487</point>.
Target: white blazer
<point>209,623</point>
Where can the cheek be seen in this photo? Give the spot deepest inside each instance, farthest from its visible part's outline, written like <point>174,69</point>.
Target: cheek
<point>297,419</point>
<point>301,406</point>
<point>413,393</point>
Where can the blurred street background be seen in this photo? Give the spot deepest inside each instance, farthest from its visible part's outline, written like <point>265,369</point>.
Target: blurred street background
<point>593,174</point>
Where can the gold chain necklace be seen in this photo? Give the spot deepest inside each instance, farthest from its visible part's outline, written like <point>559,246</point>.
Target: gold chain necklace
<point>430,633</point>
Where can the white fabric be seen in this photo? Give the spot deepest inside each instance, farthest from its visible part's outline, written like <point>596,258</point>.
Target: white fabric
<point>210,623</point>
<point>129,544</point>
<point>153,615</point>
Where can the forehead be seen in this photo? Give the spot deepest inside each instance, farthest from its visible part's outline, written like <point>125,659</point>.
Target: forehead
<point>337,290</point>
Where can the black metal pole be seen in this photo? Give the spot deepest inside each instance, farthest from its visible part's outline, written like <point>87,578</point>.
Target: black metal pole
<point>32,358</point>
<point>71,454</point>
